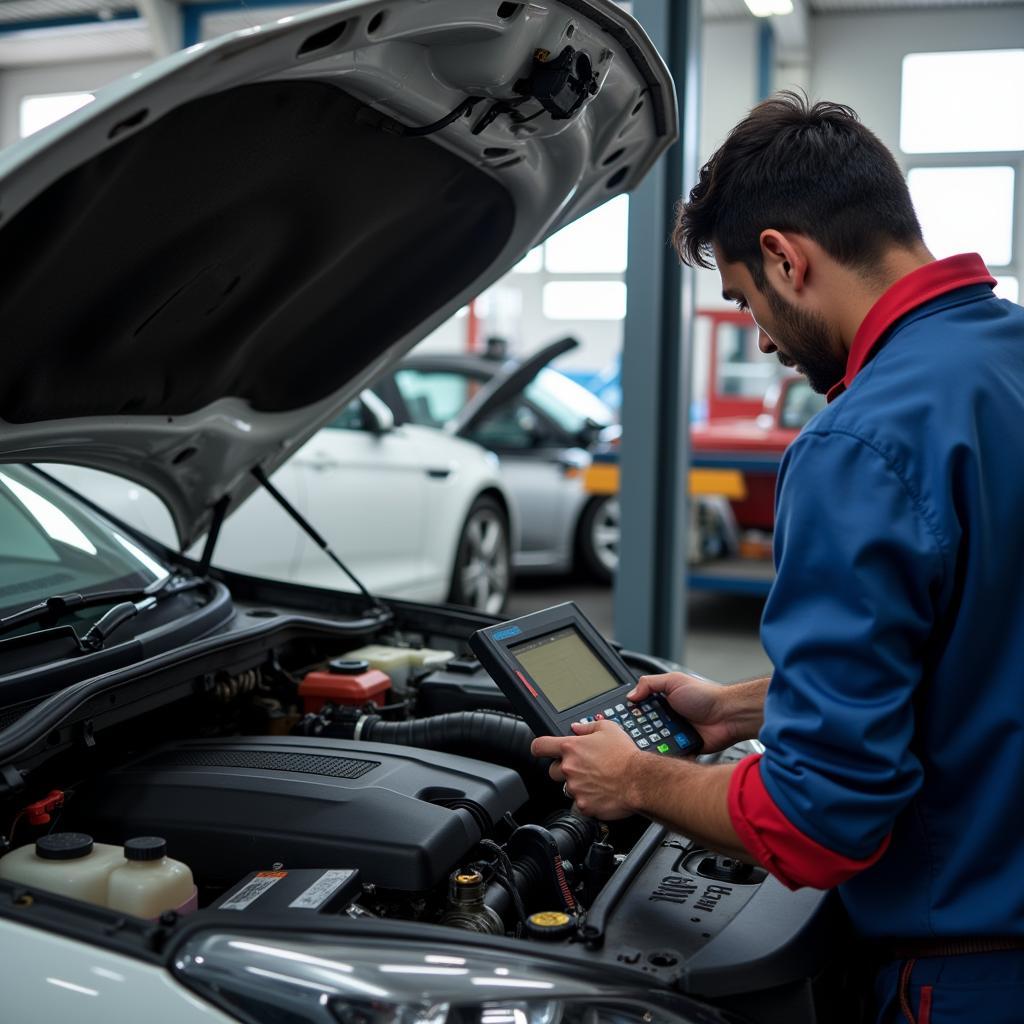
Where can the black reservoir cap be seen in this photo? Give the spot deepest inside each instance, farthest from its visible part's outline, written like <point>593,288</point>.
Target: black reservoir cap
<point>348,666</point>
<point>64,846</point>
<point>145,848</point>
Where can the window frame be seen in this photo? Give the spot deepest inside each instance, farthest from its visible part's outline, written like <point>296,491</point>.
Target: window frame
<point>1011,158</point>
<point>986,158</point>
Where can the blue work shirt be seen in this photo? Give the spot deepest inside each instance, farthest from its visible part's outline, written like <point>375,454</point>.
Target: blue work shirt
<point>894,721</point>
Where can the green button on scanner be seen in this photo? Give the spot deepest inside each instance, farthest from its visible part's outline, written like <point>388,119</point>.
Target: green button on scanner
<point>663,748</point>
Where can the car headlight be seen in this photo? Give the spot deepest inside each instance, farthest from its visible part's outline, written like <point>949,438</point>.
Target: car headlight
<point>272,978</point>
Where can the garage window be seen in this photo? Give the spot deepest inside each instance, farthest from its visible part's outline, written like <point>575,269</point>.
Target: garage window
<point>966,102</point>
<point>585,300</point>
<point>37,112</point>
<point>966,209</point>
<point>595,244</point>
<point>962,130</point>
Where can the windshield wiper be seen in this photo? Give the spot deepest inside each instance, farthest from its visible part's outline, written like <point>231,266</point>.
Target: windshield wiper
<point>53,608</point>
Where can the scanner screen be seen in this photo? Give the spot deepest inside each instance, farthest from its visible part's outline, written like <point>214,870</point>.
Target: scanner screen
<point>565,668</point>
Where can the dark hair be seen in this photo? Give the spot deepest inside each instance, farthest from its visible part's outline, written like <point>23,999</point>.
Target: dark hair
<point>795,167</point>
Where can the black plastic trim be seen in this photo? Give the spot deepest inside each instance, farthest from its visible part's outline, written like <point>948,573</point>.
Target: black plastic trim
<point>636,54</point>
<point>593,929</point>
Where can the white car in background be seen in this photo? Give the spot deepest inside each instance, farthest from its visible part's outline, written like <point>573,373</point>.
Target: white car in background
<point>543,427</point>
<point>413,512</point>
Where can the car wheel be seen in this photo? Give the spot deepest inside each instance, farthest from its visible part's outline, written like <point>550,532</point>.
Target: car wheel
<point>598,538</point>
<point>713,531</point>
<point>482,574</point>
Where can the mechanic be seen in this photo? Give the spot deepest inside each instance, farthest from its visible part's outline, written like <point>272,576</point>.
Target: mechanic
<point>893,721</point>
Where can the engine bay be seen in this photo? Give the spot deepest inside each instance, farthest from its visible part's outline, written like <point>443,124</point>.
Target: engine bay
<point>291,796</point>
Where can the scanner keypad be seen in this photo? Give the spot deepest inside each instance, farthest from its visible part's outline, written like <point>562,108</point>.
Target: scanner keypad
<point>647,724</point>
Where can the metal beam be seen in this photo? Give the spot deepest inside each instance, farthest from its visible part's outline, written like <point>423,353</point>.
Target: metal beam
<point>793,35</point>
<point>650,586</point>
<point>765,60</point>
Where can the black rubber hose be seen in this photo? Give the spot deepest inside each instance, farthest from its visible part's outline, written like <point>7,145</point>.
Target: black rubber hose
<point>485,735</point>
<point>573,836</point>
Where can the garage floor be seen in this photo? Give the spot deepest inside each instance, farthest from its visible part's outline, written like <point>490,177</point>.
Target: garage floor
<point>722,642</point>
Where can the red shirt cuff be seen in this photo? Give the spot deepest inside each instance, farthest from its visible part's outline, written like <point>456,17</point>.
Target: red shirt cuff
<point>778,845</point>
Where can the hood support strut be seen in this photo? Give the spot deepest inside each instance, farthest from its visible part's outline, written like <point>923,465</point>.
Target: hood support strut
<point>219,512</point>
<point>265,483</point>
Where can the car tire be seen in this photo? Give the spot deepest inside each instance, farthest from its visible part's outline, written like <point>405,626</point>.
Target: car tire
<point>482,575</point>
<point>597,539</point>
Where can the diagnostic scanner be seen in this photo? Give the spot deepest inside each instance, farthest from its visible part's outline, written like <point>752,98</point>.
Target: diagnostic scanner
<point>556,669</point>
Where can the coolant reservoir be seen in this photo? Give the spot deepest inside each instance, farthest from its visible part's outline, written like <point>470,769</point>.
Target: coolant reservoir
<point>67,863</point>
<point>147,882</point>
<point>397,662</point>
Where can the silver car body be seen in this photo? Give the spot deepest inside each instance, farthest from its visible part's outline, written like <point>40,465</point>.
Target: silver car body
<point>541,428</point>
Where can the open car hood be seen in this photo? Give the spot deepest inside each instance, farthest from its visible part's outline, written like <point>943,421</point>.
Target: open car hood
<point>508,382</point>
<point>201,266</point>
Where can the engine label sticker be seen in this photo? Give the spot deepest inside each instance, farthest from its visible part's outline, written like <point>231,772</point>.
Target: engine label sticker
<point>321,890</point>
<point>253,890</point>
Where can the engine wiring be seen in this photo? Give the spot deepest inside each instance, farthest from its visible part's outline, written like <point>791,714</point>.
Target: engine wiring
<point>503,874</point>
<point>45,811</point>
<point>559,84</point>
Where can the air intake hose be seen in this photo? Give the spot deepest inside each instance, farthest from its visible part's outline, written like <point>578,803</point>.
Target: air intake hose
<point>486,735</point>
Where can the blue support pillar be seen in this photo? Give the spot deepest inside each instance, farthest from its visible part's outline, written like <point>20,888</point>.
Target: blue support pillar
<point>650,587</point>
<point>765,60</point>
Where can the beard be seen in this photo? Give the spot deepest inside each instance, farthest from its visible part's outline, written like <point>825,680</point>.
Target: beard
<point>806,341</point>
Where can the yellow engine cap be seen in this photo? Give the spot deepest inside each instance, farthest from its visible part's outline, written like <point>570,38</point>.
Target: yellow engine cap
<point>550,919</point>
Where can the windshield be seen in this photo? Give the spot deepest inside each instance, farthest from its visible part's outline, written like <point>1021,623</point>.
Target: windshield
<point>569,404</point>
<point>51,544</point>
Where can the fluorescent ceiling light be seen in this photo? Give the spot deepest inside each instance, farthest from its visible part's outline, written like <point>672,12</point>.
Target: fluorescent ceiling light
<point>766,8</point>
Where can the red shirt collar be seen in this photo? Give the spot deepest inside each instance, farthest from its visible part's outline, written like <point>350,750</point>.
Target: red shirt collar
<point>917,288</point>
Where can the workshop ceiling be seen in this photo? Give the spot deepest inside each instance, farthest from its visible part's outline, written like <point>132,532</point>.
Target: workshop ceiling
<point>721,10</point>
<point>121,33</point>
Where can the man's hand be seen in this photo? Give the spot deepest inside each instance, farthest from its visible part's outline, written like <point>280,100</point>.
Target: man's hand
<point>723,715</point>
<point>609,777</point>
<point>597,766</point>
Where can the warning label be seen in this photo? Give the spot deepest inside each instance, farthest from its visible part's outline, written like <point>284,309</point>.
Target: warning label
<point>253,890</point>
<point>321,890</point>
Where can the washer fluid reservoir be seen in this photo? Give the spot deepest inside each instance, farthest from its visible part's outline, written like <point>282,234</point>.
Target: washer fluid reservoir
<point>398,662</point>
<point>147,882</point>
<point>66,863</point>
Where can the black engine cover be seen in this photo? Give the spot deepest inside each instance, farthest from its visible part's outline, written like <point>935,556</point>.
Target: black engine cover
<point>403,816</point>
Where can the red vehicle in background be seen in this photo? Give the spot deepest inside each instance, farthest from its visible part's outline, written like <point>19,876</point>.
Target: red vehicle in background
<point>752,448</point>
<point>752,416</point>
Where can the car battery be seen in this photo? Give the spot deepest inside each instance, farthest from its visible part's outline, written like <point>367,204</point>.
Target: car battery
<point>462,685</point>
<point>346,682</point>
<point>305,890</point>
